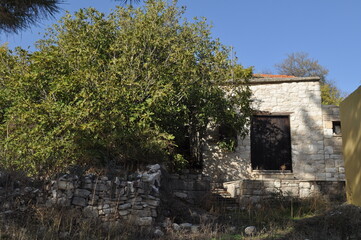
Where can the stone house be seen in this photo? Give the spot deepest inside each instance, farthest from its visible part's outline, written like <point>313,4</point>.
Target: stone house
<point>294,144</point>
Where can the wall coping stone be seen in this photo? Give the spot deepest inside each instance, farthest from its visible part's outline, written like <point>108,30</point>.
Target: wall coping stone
<point>253,81</point>
<point>262,80</point>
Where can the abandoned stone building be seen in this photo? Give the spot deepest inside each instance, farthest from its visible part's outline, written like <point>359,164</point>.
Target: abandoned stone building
<point>293,147</point>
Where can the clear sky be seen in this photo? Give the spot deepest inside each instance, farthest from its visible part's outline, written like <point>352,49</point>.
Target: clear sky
<point>263,32</point>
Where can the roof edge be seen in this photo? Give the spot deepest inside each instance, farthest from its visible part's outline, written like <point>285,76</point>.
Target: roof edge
<point>271,80</point>
<point>283,80</point>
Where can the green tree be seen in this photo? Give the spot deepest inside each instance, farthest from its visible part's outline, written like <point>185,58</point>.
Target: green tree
<point>17,15</point>
<point>299,64</point>
<point>138,85</point>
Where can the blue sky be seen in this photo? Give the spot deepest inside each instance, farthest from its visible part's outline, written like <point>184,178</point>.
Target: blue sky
<point>263,32</point>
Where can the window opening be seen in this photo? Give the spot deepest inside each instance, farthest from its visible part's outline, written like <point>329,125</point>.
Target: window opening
<point>336,127</point>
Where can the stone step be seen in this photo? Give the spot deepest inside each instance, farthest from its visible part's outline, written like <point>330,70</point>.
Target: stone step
<point>216,185</point>
<point>224,199</point>
<point>273,175</point>
<point>222,192</point>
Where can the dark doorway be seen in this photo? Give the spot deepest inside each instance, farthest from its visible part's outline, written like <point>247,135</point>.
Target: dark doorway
<point>271,143</point>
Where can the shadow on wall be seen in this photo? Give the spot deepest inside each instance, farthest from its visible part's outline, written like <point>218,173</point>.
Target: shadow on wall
<point>303,102</point>
<point>224,165</point>
<point>311,150</point>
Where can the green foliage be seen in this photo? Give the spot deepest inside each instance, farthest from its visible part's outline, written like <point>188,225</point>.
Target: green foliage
<point>132,86</point>
<point>227,138</point>
<point>227,145</point>
<point>330,94</point>
<point>300,65</point>
<point>179,162</point>
<point>18,15</point>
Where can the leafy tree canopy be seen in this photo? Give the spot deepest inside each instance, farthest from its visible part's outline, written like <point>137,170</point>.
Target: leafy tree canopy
<point>299,64</point>
<point>20,14</point>
<point>138,85</point>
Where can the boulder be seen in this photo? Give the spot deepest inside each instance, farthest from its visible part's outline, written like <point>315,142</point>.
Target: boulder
<point>250,230</point>
<point>158,233</point>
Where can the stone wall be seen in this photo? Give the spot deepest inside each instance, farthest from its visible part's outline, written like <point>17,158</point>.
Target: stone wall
<point>333,143</point>
<point>256,190</point>
<point>300,99</point>
<point>140,197</point>
<point>192,188</point>
<point>110,199</point>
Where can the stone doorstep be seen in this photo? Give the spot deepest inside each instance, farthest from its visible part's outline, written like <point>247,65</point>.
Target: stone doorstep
<point>272,175</point>
<point>221,193</point>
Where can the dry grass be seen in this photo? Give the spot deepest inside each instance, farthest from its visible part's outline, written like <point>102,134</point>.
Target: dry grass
<point>277,218</point>
<point>313,218</point>
<point>274,219</point>
<point>62,223</point>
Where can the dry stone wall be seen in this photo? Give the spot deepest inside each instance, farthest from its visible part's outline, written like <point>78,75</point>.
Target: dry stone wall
<point>110,199</point>
<point>141,198</point>
<point>138,198</point>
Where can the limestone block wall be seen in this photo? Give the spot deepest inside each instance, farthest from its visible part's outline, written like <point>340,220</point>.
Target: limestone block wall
<point>300,99</point>
<point>333,143</point>
<point>256,190</point>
